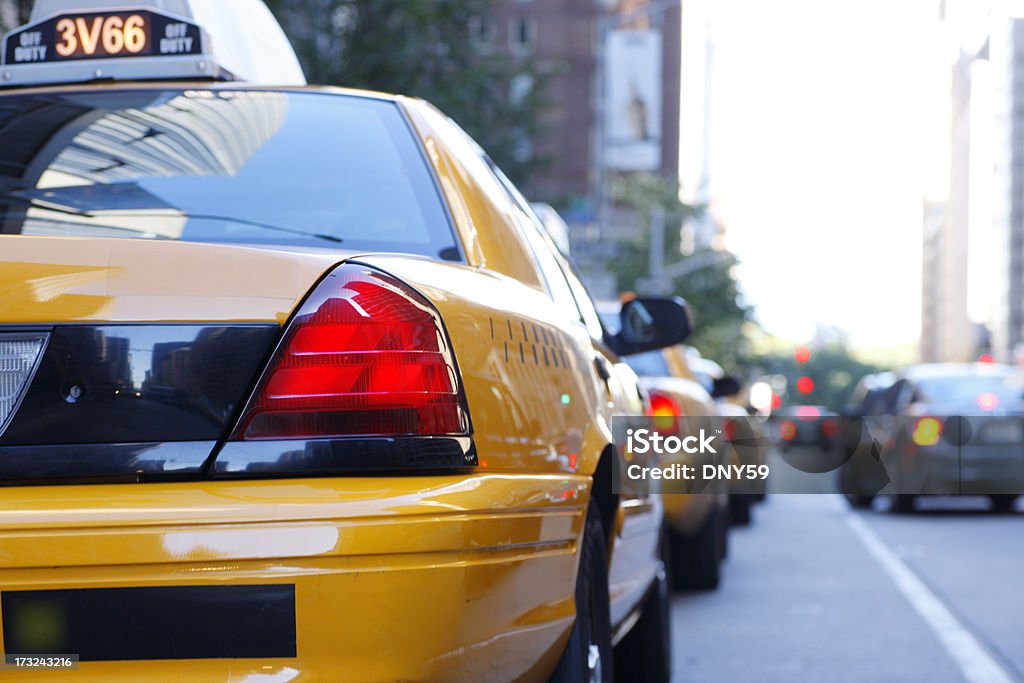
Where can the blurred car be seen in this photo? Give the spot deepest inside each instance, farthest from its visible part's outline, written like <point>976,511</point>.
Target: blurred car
<point>697,523</point>
<point>292,383</point>
<point>805,426</point>
<point>947,429</point>
<point>858,477</point>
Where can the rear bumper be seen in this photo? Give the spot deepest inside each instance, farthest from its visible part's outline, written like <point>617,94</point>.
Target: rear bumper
<point>981,469</point>
<point>430,578</point>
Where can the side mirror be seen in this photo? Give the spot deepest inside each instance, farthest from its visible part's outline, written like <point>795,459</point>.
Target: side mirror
<point>651,323</point>
<point>725,386</point>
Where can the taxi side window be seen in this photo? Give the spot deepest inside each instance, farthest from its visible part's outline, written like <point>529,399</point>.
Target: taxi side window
<point>542,247</point>
<point>584,301</point>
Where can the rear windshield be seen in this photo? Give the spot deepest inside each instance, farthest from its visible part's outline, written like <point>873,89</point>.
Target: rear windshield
<point>649,364</point>
<point>968,387</point>
<point>265,167</point>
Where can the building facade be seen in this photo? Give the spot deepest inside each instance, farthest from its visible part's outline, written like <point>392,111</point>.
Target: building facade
<point>567,39</point>
<point>1007,57</point>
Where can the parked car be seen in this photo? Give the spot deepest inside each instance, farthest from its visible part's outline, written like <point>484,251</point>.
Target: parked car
<point>697,523</point>
<point>293,384</point>
<point>947,429</point>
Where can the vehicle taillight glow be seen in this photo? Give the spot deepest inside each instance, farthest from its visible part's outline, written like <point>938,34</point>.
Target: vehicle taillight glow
<point>366,355</point>
<point>988,400</point>
<point>927,431</point>
<point>665,412</point>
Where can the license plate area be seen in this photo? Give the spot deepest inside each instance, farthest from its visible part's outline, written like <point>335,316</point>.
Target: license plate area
<point>1003,431</point>
<point>153,622</point>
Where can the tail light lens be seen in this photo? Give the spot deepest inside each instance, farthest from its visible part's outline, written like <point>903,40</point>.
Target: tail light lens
<point>19,357</point>
<point>366,355</point>
<point>926,431</point>
<point>787,430</point>
<point>665,412</point>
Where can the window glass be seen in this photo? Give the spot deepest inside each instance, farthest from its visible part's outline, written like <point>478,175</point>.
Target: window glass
<point>542,247</point>
<point>288,168</point>
<point>649,364</point>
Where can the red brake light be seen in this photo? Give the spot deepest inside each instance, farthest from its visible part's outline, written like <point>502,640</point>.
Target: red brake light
<point>665,412</point>
<point>988,400</point>
<point>365,355</point>
<point>926,431</point>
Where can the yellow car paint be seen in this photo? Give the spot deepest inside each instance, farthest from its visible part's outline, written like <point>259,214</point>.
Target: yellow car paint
<point>458,577</point>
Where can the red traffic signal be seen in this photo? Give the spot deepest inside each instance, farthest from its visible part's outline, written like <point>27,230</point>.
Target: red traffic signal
<point>802,354</point>
<point>805,385</point>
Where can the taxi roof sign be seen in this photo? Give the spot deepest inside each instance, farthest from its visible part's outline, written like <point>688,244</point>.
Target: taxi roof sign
<point>72,41</point>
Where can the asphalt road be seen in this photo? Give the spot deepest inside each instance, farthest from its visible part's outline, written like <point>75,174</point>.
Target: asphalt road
<point>816,592</point>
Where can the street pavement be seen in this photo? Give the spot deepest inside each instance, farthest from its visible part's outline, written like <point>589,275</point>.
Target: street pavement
<point>814,591</point>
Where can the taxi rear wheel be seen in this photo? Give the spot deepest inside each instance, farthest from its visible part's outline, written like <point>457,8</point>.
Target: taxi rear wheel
<point>588,655</point>
<point>739,509</point>
<point>1003,503</point>
<point>645,654</point>
<point>904,503</point>
<point>695,561</point>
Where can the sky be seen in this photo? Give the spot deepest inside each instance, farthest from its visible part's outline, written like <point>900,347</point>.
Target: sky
<point>827,133</point>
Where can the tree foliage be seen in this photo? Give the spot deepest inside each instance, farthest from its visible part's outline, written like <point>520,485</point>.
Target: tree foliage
<point>14,13</point>
<point>711,291</point>
<point>424,48</point>
<point>833,369</point>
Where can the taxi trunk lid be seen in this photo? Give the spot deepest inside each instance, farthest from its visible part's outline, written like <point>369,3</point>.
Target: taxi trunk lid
<point>61,280</point>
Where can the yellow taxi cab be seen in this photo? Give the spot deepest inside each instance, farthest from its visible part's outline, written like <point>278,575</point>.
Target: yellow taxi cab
<point>750,442</point>
<point>698,523</point>
<point>293,386</point>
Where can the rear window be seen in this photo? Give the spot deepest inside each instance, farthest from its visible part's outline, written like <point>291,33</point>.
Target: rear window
<point>967,388</point>
<point>649,364</point>
<point>264,167</point>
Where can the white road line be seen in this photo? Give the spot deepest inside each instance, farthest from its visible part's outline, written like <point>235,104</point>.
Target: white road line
<point>975,662</point>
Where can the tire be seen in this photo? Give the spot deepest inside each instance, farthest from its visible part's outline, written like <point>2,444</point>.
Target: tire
<point>645,654</point>
<point>1003,503</point>
<point>588,654</point>
<point>903,503</point>
<point>739,510</point>
<point>695,561</point>
<point>723,534</point>
<point>859,501</point>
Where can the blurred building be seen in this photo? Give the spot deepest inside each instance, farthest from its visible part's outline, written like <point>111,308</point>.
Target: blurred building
<point>957,258</point>
<point>565,39</point>
<point>931,276</point>
<point>8,15</point>
<point>1007,58</point>
<point>560,36</point>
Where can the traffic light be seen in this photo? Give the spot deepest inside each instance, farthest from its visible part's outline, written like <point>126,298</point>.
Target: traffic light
<point>802,354</point>
<point>805,385</point>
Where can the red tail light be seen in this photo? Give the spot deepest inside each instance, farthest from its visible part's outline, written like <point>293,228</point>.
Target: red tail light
<point>665,412</point>
<point>365,355</point>
<point>787,430</point>
<point>926,431</point>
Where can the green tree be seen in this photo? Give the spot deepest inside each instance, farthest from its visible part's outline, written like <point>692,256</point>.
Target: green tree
<point>833,369</point>
<point>15,13</point>
<point>710,290</point>
<point>425,48</point>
